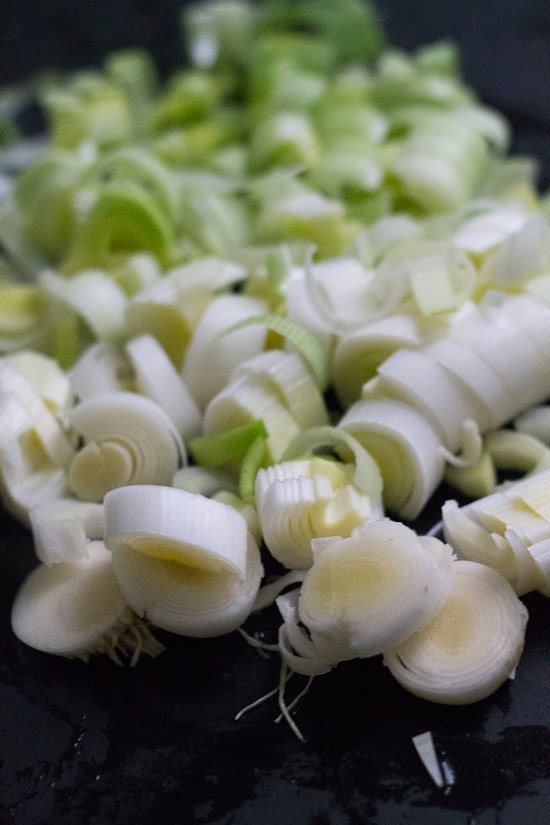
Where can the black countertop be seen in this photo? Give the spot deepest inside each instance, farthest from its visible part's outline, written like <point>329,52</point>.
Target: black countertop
<point>99,744</point>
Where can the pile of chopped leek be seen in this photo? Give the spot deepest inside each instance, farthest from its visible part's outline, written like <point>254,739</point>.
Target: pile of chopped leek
<point>252,315</point>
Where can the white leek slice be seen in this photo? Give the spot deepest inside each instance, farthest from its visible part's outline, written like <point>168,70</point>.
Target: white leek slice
<point>539,552</point>
<point>94,296</point>
<point>209,359</point>
<point>44,432</point>
<point>157,378</point>
<point>46,377</point>
<point>63,527</point>
<point>298,501</point>
<point>358,354</point>
<point>406,448</point>
<point>168,311</point>
<point>473,542</point>
<point>535,422</point>
<point>494,400</point>
<point>416,379</point>
<point>507,350</point>
<point>295,645</point>
<point>367,475</point>
<point>293,382</point>
<point>364,594</point>
<point>186,562</point>
<point>76,609</point>
<point>518,451</point>
<point>471,647</point>
<point>102,367</point>
<point>127,439</point>
<point>247,399</point>
<point>27,474</point>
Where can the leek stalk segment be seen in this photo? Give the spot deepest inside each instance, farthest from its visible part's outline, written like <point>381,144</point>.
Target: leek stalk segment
<point>186,562</point>
<point>471,647</point>
<point>364,594</point>
<point>126,439</point>
<point>77,610</point>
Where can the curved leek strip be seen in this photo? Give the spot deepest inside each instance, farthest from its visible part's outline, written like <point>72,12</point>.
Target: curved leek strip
<point>301,500</point>
<point>440,162</point>
<point>293,382</point>
<point>367,593</point>
<point>46,377</point>
<point>186,562</point>
<point>94,296</point>
<point>530,315</point>
<point>249,399</point>
<point>157,378</point>
<point>502,529</point>
<point>471,647</point>
<point>539,554</point>
<point>406,448</point>
<point>209,359</point>
<point>297,336</point>
<point>43,432</point>
<point>44,194</point>
<point>62,528</point>
<point>123,218</point>
<point>358,354</point>
<point>141,168</point>
<point>76,609</point>
<point>442,282</point>
<point>507,350</point>
<point>27,474</point>
<point>127,439</point>
<point>472,541</point>
<point>23,320</point>
<point>520,451</point>
<point>101,368</point>
<point>535,422</point>
<point>473,480</point>
<point>169,312</point>
<point>367,474</point>
<point>295,646</point>
<point>412,377</point>
<point>494,400</point>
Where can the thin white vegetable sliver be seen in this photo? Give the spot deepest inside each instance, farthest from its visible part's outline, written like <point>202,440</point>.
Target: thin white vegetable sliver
<point>424,746</point>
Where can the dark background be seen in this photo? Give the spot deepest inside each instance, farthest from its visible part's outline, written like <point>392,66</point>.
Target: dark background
<point>158,745</point>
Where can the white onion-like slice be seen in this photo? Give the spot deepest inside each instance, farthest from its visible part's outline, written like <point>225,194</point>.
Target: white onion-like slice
<point>471,647</point>
<point>365,593</point>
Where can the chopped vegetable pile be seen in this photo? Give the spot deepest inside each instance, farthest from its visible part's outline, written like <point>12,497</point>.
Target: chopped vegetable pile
<point>252,315</point>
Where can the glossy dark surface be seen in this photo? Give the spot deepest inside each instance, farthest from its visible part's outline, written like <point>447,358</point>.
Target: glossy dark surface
<point>101,745</point>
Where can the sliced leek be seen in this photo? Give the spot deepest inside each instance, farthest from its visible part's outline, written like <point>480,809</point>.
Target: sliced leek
<point>184,561</point>
<point>76,609</point>
<point>126,439</point>
<point>364,594</point>
<point>471,647</point>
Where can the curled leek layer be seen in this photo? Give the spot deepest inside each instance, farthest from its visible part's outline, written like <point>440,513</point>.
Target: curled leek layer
<point>508,530</point>
<point>471,647</point>
<point>76,609</point>
<point>364,594</point>
<point>301,500</point>
<point>127,439</point>
<point>185,562</point>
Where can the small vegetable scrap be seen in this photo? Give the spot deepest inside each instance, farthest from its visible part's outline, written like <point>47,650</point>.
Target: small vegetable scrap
<point>252,315</point>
